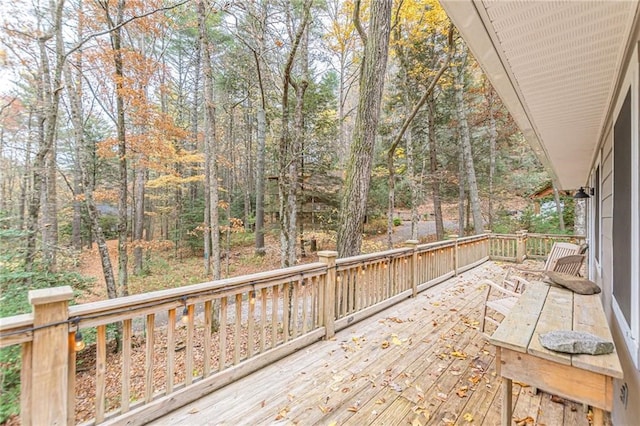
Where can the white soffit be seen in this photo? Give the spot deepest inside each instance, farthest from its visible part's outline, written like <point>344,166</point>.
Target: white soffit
<point>555,64</point>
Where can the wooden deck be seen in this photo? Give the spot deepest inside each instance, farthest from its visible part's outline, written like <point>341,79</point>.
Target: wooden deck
<point>420,362</point>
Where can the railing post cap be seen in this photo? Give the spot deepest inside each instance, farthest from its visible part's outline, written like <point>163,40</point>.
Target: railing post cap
<point>50,295</point>
<point>327,253</point>
<point>452,236</point>
<point>412,242</point>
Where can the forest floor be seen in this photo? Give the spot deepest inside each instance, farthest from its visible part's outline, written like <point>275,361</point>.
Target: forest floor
<point>168,269</point>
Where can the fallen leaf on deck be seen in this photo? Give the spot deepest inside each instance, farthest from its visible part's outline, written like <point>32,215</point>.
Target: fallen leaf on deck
<point>524,385</point>
<point>384,344</point>
<point>462,392</point>
<point>193,411</point>
<point>442,396</point>
<point>395,319</point>
<point>381,401</point>
<point>396,341</point>
<point>459,354</point>
<point>468,417</point>
<point>333,423</point>
<point>524,421</point>
<point>283,413</point>
<point>353,409</point>
<point>324,410</point>
<point>557,399</point>
<point>416,422</point>
<point>419,409</point>
<point>475,378</point>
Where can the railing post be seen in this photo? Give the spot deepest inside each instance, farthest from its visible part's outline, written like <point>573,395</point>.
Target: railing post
<point>521,245</point>
<point>50,356</point>
<point>413,244</point>
<point>329,257</point>
<point>488,241</point>
<point>455,254</point>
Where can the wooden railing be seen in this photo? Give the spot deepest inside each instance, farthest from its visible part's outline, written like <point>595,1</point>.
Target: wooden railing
<point>188,341</point>
<point>522,245</point>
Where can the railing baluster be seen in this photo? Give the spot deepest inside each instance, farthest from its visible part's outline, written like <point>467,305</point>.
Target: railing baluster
<point>251,323</point>
<point>126,364</point>
<point>263,318</point>
<point>238,330</point>
<point>275,303</point>
<point>208,324</point>
<point>149,355</point>
<point>188,356</point>
<point>286,309</point>
<point>101,369</point>
<point>305,309</point>
<point>26,371</point>
<point>222,334</point>
<point>296,302</point>
<point>171,350</point>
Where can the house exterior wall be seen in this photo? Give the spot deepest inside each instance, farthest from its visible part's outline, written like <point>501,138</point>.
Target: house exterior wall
<point>626,409</point>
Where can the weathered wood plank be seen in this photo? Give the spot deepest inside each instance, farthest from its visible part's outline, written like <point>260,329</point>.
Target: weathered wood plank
<point>589,317</point>
<point>556,314</point>
<point>517,329</point>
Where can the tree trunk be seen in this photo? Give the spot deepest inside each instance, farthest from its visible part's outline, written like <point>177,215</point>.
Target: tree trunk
<point>260,178</point>
<point>210,142</point>
<point>44,172</point>
<point>465,140</point>
<point>493,137</point>
<point>462,195</point>
<point>288,153</point>
<point>123,257</point>
<point>261,139</point>
<point>138,219</point>
<point>433,169</point>
<point>556,198</point>
<point>358,176</point>
<point>84,163</point>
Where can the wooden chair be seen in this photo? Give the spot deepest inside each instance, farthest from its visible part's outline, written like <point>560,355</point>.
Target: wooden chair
<point>558,251</point>
<point>570,264</point>
<point>499,299</point>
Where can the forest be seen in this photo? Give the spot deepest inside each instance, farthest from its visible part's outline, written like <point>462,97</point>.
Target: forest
<point>189,126</point>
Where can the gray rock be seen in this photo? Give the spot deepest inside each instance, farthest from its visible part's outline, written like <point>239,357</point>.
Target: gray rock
<point>575,342</point>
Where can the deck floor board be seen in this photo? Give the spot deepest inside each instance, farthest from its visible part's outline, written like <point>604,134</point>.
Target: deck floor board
<point>420,362</point>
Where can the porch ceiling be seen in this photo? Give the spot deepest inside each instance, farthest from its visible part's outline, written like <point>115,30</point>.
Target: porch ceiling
<point>555,65</point>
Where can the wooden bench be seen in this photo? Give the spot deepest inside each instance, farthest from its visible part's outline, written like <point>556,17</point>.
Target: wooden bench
<point>521,357</point>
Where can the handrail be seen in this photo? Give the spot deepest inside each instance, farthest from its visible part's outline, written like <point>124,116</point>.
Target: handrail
<point>269,314</point>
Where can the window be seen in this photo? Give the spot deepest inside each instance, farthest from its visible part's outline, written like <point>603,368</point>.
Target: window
<point>626,212</point>
<point>622,209</point>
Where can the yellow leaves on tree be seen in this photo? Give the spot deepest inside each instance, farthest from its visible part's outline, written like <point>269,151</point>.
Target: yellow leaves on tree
<point>421,28</point>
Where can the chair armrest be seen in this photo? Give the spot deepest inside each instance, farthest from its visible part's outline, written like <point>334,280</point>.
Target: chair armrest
<point>517,284</point>
<point>499,288</point>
